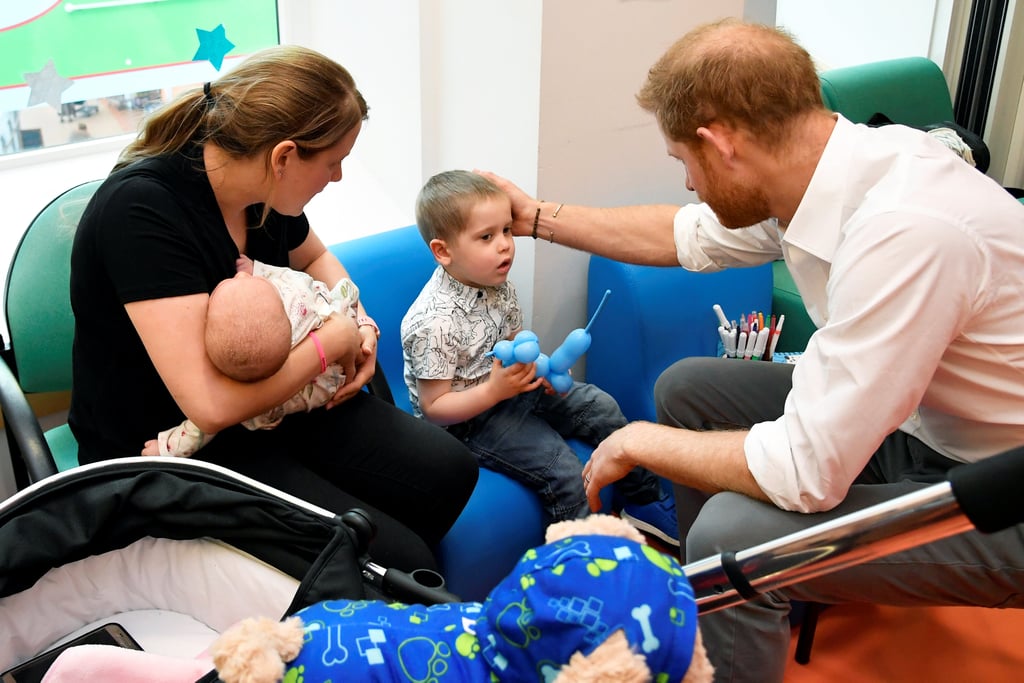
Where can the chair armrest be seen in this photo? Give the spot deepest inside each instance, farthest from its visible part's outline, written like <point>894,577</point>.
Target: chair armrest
<point>21,425</point>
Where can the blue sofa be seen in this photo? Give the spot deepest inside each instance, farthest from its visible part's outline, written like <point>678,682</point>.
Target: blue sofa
<point>503,518</point>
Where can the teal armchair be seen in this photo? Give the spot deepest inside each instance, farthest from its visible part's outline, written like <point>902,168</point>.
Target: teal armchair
<point>37,355</point>
<point>911,91</point>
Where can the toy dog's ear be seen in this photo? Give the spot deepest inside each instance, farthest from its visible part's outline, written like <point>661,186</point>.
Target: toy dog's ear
<point>613,661</point>
<point>596,524</point>
<point>255,650</point>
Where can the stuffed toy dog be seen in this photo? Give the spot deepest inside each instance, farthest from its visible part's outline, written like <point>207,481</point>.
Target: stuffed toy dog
<point>595,603</point>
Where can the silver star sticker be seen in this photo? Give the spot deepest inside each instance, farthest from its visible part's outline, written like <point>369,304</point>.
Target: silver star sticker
<point>46,86</point>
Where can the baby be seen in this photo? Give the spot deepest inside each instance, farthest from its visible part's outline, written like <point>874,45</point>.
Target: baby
<point>252,322</point>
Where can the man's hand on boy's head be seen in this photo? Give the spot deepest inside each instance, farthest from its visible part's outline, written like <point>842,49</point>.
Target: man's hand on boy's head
<point>513,380</point>
<point>523,205</point>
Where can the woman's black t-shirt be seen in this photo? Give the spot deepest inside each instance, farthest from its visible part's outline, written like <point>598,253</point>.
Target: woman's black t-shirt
<point>152,230</point>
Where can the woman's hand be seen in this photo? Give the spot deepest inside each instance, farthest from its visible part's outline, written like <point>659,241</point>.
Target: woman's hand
<point>366,366</point>
<point>342,343</point>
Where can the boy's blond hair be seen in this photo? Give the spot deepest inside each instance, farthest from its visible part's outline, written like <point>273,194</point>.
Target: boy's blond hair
<point>443,205</point>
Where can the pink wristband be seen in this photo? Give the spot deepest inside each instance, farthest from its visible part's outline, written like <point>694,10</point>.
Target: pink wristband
<point>320,351</point>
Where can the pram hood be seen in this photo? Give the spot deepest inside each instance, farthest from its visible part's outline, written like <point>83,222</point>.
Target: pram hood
<point>108,505</point>
<point>92,510</point>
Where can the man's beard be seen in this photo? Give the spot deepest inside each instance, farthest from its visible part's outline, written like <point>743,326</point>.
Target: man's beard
<point>735,205</point>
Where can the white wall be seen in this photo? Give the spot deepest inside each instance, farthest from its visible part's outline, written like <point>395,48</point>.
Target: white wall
<point>481,69</point>
<point>841,34</point>
<point>379,43</point>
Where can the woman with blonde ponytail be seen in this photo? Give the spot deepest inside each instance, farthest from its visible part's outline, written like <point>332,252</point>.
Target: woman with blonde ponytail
<point>224,171</point>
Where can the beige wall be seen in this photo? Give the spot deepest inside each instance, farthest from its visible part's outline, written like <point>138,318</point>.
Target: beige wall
<point>596,145</point>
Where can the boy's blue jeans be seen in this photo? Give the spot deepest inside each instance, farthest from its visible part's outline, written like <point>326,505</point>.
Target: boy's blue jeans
<point>524,437</point>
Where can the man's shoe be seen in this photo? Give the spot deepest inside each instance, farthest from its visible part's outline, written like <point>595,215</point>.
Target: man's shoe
<point>657,519</point>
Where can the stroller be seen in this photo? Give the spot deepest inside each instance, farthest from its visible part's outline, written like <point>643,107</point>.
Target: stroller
<point>178,550</point>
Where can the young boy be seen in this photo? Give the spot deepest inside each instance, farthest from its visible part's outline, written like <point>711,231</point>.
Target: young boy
<point>252,322</point>
<point>509,418</point>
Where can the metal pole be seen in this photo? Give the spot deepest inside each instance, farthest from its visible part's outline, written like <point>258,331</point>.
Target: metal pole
<point>905,522</point>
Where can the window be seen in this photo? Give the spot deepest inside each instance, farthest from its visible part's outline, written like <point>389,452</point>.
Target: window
<point>72,71</point>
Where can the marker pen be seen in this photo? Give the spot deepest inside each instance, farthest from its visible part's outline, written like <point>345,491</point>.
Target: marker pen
<point>724,336</point>
<point>741,345</point>
<point>759,343</point>
<point>722,320</point>
<point>748,351</point>
<point>775,336</point>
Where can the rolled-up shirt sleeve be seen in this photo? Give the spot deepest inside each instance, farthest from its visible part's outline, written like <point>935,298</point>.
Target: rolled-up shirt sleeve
<point>703,245</point>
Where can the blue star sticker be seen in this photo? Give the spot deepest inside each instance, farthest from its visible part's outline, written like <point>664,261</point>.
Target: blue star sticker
<point>46,86</point>
<point>213,45</point>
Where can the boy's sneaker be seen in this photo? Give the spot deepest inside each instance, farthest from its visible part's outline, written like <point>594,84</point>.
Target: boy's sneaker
<point>657,519</point>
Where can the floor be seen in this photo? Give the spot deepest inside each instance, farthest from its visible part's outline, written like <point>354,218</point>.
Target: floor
<point>875,644</point>
<point>872,644</point>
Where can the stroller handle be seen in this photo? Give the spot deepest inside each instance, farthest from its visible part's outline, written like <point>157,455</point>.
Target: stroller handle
<point>421,586</point>
<point>982,495</point>
<point>988,491</point>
